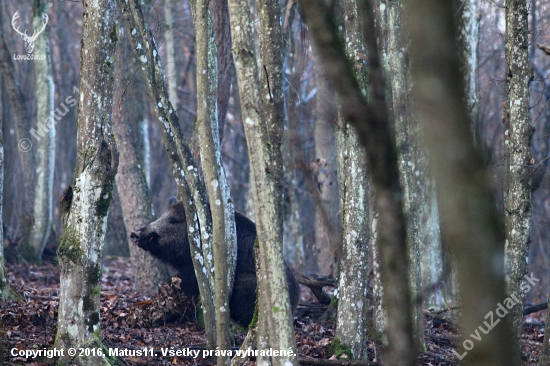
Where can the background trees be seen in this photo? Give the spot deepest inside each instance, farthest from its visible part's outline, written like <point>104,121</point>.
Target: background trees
<point>315,188</point>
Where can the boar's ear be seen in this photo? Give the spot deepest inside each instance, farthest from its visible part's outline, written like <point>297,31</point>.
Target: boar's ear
<point>172,200</point>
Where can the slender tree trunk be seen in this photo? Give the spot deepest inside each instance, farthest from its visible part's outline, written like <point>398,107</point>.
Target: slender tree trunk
<point>373,128</point>
<point>468,36</point>
<point>171,72</point>
<point>222,31</point>
<point>352,286</point>
<point>81,249</point>
<point>379,310</point>
<point>22,114</point>
<point>398,77</point>
<point>4,285</point>
<point>135,198</point>
<point>45,91</point>
<point>517,201</point>
<point>264,143</point>
<point>223,215</point>
<point>191,189</point>
<point>465,191</point>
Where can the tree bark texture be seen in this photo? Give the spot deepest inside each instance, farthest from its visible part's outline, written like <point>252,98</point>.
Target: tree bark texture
<point>263,140</point>
<point>171,70</point>
<point>221,204</point>
<point>135,197</point>
<point>80,252</point>
<point>45,91</point>
<point>352,287</point>
<point>471,229</point>
<point>22,114</point>
<point>468,37</point>
<point>517,201</point>
<point>399,79</point>
<point>326,240</point>
<point>373,129</point>
<point>191,189</point>
<point>4,285</point>
<point>222,32</point>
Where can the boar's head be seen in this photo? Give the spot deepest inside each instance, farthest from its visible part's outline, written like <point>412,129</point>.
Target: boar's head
<point>166,238</point>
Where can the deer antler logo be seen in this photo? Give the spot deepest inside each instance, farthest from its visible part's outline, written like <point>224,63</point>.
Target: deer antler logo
<point>29,40</point>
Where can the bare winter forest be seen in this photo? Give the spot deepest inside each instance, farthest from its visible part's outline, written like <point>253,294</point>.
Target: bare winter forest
<point>315,182</point>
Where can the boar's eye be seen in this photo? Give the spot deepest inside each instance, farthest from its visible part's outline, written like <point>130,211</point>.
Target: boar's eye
<point>173,221</point>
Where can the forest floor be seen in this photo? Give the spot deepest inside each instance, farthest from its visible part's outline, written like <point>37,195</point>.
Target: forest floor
<point>166,321</point>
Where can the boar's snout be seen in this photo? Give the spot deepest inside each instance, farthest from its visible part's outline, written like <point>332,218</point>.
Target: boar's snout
<point>134,237</point>
<point>144,238</point>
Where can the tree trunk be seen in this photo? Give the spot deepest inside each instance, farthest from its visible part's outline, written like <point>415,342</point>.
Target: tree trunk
<point>398,77</point>
<point>465,191</point>
<point>373,129</point>
<point>191,189</point>
<point>468,36</point>
<point>517,201</point>
<point>222,31</point>
<point>4,285</point>
<point>171,72</point>
<point>22,114</point>
<point>135,198</point>
<point>354,179</point>
<point>45,91</point>
<point>325,151</point>
<point>263,140</point>
<point>80,252</point>
<point>221,204</point>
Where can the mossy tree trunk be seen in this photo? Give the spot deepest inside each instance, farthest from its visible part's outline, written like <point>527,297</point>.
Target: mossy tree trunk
<point>471,228</point>
<point>45,91</point>
<point>517,198</point>
<point>191,189</point>
<point>263,135</point>
<point>135,198</point>
<point>81,249</point>
<point>373,128</point>
<point>221,204</point>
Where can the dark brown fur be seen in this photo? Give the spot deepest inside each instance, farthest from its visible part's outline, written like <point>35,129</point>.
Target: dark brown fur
<point>166,239</point>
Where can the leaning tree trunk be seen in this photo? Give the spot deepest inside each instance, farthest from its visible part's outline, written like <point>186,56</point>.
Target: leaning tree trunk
<point>80,252</point>
<point>471,228</point>
<point>135,198</point>
<point>45,90</point>
<point>191,189</point>
<point>398,76</point>
<point>266,176</point>
<point>354,180</point>
<point>373,128</point>
<point>517,201</point>
<point>221,205</point>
